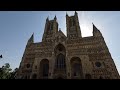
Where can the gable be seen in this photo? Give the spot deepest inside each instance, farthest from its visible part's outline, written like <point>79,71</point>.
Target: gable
<point>60,33</point>
<point>59,36</point>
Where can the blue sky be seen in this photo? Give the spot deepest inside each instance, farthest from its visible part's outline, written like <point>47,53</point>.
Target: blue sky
<point>16,27</point>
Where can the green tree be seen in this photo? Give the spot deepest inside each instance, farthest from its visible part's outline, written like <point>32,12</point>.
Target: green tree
<point>5,71</point>
<point>13,74</point>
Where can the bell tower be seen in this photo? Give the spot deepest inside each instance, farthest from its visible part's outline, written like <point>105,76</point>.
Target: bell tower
<point>73,28</point>
<point>51,28</point>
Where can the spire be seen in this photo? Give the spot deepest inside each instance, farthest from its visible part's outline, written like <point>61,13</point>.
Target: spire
<point>96,32</point>
<point>59,29</point>
<point>94,27</point>
<point>76,13</point>
<point>31,40</point>
<point>55,18</point>
<point>66,13</point>
<point>47,18</point>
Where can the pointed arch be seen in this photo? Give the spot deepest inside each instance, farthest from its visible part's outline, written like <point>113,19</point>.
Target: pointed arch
<point>60,53</point>
<point>76,68</point>
<point>44,68</point>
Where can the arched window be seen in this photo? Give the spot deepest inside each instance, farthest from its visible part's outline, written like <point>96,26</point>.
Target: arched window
<point>72,22</point>
<point>87,76</point>
<point>60,62</point>
<point>51,26</point>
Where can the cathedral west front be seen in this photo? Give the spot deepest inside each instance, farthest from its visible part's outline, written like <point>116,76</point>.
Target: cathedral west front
<point>59,56</point>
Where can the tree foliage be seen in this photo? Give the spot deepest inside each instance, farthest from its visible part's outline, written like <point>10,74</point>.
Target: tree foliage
<point>6,72</point>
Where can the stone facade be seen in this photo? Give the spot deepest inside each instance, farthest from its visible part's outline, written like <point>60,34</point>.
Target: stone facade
<point>67,57</point>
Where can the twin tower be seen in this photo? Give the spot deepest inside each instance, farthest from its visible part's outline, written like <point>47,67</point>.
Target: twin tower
<point>72,27</point>
<point>72,24</point>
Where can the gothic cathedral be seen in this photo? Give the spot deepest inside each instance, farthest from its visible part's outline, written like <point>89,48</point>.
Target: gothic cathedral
<point>67,57</point>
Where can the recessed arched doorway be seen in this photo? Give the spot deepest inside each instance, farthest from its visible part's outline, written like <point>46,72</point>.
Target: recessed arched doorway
<point>76,68</point>
<point>44,69</point>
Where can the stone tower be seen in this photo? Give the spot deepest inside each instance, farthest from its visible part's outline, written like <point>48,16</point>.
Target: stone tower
<point>67,57</point>
<point>73,28</point>
<point>51,28</point>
